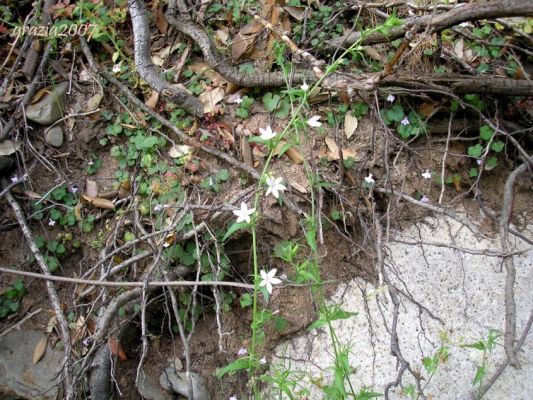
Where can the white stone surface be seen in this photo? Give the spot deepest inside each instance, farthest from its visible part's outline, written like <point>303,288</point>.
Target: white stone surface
<point>465,291</point>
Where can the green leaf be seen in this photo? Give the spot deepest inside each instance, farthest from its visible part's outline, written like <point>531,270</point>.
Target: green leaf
<point>480,374</point>
<point>325,319</point>
<point>237,365</point>
<point>280,324</point>
<point>364,395</point>
<point>491,163</point>
<point>234,228</point>
<point>475,151</point>
<point>497,146</point>
<point>271,101</point>
<point>241,112</point>
<point>486,132</point>
<point>477,345</point>
<point>52,263</point>
<point>430,364</point>
<point>223,175</point>
<point>473,173</point>
<point>246,300</point>
<point>284,109</point>
<point>129,236</point>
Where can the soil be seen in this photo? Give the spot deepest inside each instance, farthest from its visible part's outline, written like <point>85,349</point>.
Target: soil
<point>344,253</point>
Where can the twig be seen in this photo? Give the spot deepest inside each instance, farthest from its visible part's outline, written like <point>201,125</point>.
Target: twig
<point>18,324</point>
<point>52,294</point>
<point>510,305</point>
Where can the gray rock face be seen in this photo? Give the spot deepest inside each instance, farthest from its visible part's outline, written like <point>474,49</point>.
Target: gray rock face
<point>149,388</point>
<point>50,108</point>
<point>54,137</point>
<point>170,379</point>
<point>19,376</point>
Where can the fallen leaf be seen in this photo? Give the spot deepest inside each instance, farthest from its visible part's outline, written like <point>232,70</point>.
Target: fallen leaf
<point>298,13</point>
<point>246,152</point>
<point>297,186</point>
<point>179,150</point>
<point>160,20</point>
<point>427,108</point>
<point>40,94</point>
<point>32,195</point>
<point>295,155</point>
<point>93,102</point>
<point>226,135</point>
<point>244,41</point>
<point>152,100</point>
<point>333,153</point>
<point>116,348</point>
<point>211,98</point>
<point>52,322</point>
<point>124,189</point>
<point>8,147</point>
<point>91,188</point>
<point>458,48</point>
<point>350,125</point>
<point>222,36</point>
<point>98,202</point>
<point>40,349</point>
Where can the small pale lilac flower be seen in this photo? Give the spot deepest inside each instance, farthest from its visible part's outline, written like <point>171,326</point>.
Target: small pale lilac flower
<point>242,352</point>
<point>283,276</point>
<point>116,68</point>
<point>424,199</point>
<point>263,361</point>
<point>314,122</point>
<point>238,100</point>
<point>479,161</point>
<point>73,189</point>
<point>90,162</point>
<point>243,215</point>
<point>51,222</point>
<point>86,342</point>
<point>166,244</point>
<point>305,87</point>
<point>14,178</point>
<point>405,121</point>
<point>267,134</point>
<point>390,98</point>
<point>233,398</point>
<point>158,207</point>
<point>426,174</point>
<point>268,279</point>
<point>369,180</point>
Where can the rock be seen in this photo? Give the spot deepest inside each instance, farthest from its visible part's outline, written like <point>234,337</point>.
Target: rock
<point>149,389</point>
<point>54,136</point>
<point>50,108</point>
<point>19,376</point>
<point>170,379</point>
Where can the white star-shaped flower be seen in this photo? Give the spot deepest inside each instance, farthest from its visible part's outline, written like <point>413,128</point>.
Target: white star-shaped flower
<point>305,87</point>
<point>267,134</point>
<point>263,361</point>
<point>369,179</point>
<point>238,100</point>
<point>314,122</point>
<point>14,179</point>
<point>116,68</point>
<point>242,352</point>
<point>268,279</point>
<point>426,174</point>
<point>243,215</point>
<point>390,98</point>
<point>51,222</point>
<point>405,121</point>
<point>90,162</point>
<point>274,186</point>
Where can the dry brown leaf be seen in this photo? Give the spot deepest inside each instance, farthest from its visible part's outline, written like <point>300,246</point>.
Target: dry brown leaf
<point>210,98</point>
<point>243,42</point>
<point>40,94</point>
<point>91,188</point>
<point>40,349</point>
<point>427,108</point>
<point>160,20</point>
<point>298,13</point>
<point>350,125</point>
<point>52,322</point>
<point>152,100</point>
<point>124,189</point>
<point>116,348</point>
<point>93,102</point>
<point>222,36</point>
<point>32,195</point>
<point>206,70</point>
<point>246,152</point>
<point>297,186</point>
<point>98,202</point>
<point>179,150</point>
<point>333,153</point>
<point>295,155</point>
